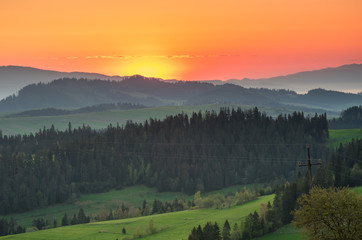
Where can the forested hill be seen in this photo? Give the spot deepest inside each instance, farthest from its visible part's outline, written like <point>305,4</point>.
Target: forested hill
<point>180,153</point>
<point>349,118</point>
<point>73,93</point>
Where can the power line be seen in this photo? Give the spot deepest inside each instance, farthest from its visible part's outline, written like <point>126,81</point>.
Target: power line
<point>309,164</point>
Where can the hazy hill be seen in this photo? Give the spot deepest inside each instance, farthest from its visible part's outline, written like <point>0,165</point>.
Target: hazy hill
<point>73,93</point>
<point>346,78</point>
<point>14,78</point>
<point>91,109</point>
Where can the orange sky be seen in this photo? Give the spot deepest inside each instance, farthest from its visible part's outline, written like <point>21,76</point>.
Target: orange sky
<point>183,39</point>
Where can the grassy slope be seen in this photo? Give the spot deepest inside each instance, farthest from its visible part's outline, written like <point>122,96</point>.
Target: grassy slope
<point>343,136</point>
<point>99,120</point>
<point>173,226</point>
<point>134,196</point>
<point>287,232</point>
<point>92,203</point>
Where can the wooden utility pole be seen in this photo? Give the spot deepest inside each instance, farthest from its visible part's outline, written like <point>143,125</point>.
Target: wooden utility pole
<point>309,165</point>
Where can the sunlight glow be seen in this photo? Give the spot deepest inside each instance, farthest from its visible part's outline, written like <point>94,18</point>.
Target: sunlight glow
<point>150,67</point>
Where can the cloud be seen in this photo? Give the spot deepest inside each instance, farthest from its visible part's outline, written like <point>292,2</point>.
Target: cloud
<point>356,60</point>
<point>154,56</point>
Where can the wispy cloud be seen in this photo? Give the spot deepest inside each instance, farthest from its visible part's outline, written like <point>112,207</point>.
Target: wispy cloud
<point>356,60</point>
<point>153,56</point>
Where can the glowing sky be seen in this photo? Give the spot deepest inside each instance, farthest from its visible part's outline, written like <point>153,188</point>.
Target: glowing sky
<point>186,39</point>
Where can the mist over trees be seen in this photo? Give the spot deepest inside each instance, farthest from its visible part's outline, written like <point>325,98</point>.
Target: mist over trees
<point>203,151</point>
<point>77,93</point>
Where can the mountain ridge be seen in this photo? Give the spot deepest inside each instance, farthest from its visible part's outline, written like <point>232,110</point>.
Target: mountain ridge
<point>13,78</point>
<point>76,93</point>
<point>328,78</point>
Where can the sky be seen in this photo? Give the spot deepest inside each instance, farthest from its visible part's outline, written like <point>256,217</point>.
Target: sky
<point>185,40</point>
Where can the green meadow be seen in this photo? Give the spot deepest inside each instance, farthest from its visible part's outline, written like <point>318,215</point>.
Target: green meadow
<point>343,135</point>
<point>287,232</point>
<point>100,120</point>
<point>96,120</point>
<point>175,226</point>
<point>92,203</point>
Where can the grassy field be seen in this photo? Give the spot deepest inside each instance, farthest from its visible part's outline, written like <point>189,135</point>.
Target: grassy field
<point>92,203</point>
<point>96,120</point>
<point>358,190</point>
<point>100,120</point>
<point>288,232</point>
<point>175,226</point>
<point>343,136</point>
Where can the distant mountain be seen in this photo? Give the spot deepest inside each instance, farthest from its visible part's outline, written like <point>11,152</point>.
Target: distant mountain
<point>76,93</point>
<point>346,78</point>
<point>14,78</point>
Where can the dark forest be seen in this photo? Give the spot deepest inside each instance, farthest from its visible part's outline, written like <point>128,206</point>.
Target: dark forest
<point>204,151</point>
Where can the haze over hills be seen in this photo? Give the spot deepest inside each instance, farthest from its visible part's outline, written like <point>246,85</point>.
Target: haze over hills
<point>346,78</point>
<point>72,93</point>
<point>14,78</point>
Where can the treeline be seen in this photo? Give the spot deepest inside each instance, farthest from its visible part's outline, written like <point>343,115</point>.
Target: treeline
<point>268,219</point>
<point>210,232</point>
<point>122,212</point>
<point>180,153</point>
<point>219,200</point>
<point>349,118</point>
<point>95,108</point>
<point>8,227</point>
<point>344,167</point>
<point>271,217</point>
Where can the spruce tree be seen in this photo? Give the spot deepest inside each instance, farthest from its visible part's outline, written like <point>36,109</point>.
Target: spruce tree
<point>226,231</point>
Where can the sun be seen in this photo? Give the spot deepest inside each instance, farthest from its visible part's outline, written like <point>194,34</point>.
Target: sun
<point>150,67</point>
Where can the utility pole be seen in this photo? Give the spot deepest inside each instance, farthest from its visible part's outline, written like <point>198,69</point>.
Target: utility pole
<point>309,165</point>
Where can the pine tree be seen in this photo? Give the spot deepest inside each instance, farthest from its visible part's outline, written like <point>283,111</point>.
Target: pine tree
<point>216,233</point>
<point>81,216</point>
<point>226,231</point>
<point>193,235</point>
<point>65,220</point>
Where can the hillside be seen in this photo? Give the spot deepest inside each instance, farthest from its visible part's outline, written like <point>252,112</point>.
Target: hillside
<point>14,78</point>
<point>180,153</point>
<point>92,203</point>
<point>346,78</point>
<point>33,120</point>
<point>175,226</point>
<point>77,93</point>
